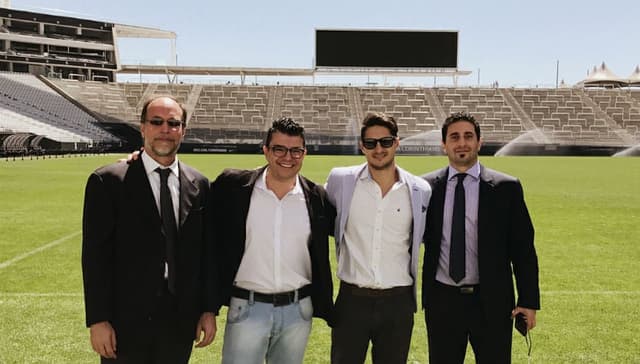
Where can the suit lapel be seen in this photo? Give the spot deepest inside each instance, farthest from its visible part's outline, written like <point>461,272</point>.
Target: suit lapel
<point>437,200</point>
<point>140,194</point>
<point>484,207</point>
<point>439,192</point>
<point>188,193</point>
<point>246,191</point>
<point>308,200</point>
<point>242,200</point>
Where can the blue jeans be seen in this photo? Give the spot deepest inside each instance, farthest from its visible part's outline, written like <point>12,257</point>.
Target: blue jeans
<point>257,331</point>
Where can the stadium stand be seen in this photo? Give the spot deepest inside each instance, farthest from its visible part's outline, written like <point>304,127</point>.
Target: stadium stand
<point>239,114</point>
<point>18,123</point>
<point>499,124</point>
<point>40,43</point>
<point>28,104</point>
<point>568,117</point>
<point>103,98</point>
<point>410,106</point>
<point>621,107</point>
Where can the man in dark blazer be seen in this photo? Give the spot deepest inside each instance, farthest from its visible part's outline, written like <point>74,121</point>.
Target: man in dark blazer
<point>467,288</point>
<point>146,282</point>
<point>270,229</point>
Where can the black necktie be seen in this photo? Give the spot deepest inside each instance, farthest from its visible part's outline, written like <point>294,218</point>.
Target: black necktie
<point>168,227</point>
<point>457,249</point>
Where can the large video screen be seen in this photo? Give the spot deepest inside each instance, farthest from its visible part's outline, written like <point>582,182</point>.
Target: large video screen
<point>392,49</point>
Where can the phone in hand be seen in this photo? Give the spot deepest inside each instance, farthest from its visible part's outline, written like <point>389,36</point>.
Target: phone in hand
<point>521,324</point>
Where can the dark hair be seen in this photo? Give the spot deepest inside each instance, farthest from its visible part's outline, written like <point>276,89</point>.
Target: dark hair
<point>380,119</point>
<point>287,126</point>
<point>143,115</point>
<point>459,116</point>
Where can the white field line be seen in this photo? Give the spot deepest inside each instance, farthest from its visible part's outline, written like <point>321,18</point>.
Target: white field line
<point>38,250</point>
<point>27,294</point>
<point>550,293</point>
<point>602,293</point>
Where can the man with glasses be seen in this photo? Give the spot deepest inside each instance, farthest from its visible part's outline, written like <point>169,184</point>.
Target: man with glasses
<point>381,211</point>
<point>479,236</point>
<point>270,229</point>
<point>147,289</point>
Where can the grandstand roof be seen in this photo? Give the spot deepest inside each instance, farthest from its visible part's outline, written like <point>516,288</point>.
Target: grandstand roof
<point>634,78</point>
<point>602,76</point>
<point>55,19</point>
<point>258,71</point>
<point>133,31</point>
<point>207,71</point>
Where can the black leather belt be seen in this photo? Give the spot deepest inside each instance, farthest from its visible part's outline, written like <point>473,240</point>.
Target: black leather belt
<point>468,289</point>
<point>372,292</point>
<point>277,299</point>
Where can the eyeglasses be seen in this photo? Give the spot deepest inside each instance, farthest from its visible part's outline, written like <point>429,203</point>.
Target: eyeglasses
<point>281,151</point>
<point>173,123</point>
<point>386,142</point>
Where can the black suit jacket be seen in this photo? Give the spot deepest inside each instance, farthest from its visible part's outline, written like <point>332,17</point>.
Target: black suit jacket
<point>122,247</point>
<point>505,243</point>
<point>229,206</point>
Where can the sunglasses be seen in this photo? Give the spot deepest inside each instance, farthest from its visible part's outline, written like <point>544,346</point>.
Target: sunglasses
<point>386,142</point>
<point>281,151</point>
<point>173,123</point>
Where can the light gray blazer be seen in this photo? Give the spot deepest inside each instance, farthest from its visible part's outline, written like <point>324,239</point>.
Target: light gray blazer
<point>340,186</point>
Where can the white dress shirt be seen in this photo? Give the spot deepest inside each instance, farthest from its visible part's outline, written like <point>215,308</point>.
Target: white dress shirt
<point>374,252</point>
<point>276,257</point>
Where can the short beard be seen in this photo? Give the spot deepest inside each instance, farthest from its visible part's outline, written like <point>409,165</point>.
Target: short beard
<point>383,167</point>
<point>164,152</point>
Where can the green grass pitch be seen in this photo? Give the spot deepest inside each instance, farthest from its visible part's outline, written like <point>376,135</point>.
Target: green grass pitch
<point>586,212</point>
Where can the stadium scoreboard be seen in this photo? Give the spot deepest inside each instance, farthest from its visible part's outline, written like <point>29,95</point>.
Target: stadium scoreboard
<point>395,49</point>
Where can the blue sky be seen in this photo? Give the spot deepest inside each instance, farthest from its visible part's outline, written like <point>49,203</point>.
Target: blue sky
<point>516,43</point>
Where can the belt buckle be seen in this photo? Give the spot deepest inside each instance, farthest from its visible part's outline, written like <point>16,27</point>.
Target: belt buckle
<point>281,299</point>
<point>467,289</point>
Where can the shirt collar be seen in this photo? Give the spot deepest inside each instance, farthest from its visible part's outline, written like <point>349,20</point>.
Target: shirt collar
<point>365,174</point>
<point>474,172</point>
<point>150,164</point>
<point>262,183</point>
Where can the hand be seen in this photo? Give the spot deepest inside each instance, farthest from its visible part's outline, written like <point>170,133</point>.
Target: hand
<point>131,156</point>
<point>206,325</point>
<point>103,339</point>
<point>529,316</point>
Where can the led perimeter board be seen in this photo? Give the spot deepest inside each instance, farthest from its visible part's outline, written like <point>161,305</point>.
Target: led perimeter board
<point>386,49</point>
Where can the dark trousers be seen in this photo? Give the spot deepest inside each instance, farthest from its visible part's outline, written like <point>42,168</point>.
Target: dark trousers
<point>455,316</point>
<point>384,317</point>
<point>164,338</point>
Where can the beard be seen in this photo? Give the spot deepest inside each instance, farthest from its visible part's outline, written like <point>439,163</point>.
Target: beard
<point>383,166</point>
<point>164,149</point>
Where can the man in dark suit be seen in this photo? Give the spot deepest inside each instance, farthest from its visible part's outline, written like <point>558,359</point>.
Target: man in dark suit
<point>270,229</point>
<point>147,286</point>
<point>478,236</point>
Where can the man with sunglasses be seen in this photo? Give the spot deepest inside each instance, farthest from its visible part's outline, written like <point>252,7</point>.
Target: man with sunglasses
<point>147,289</point>
<point>381,211</point>
<point>479,236</point>
<point>270,228</point>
